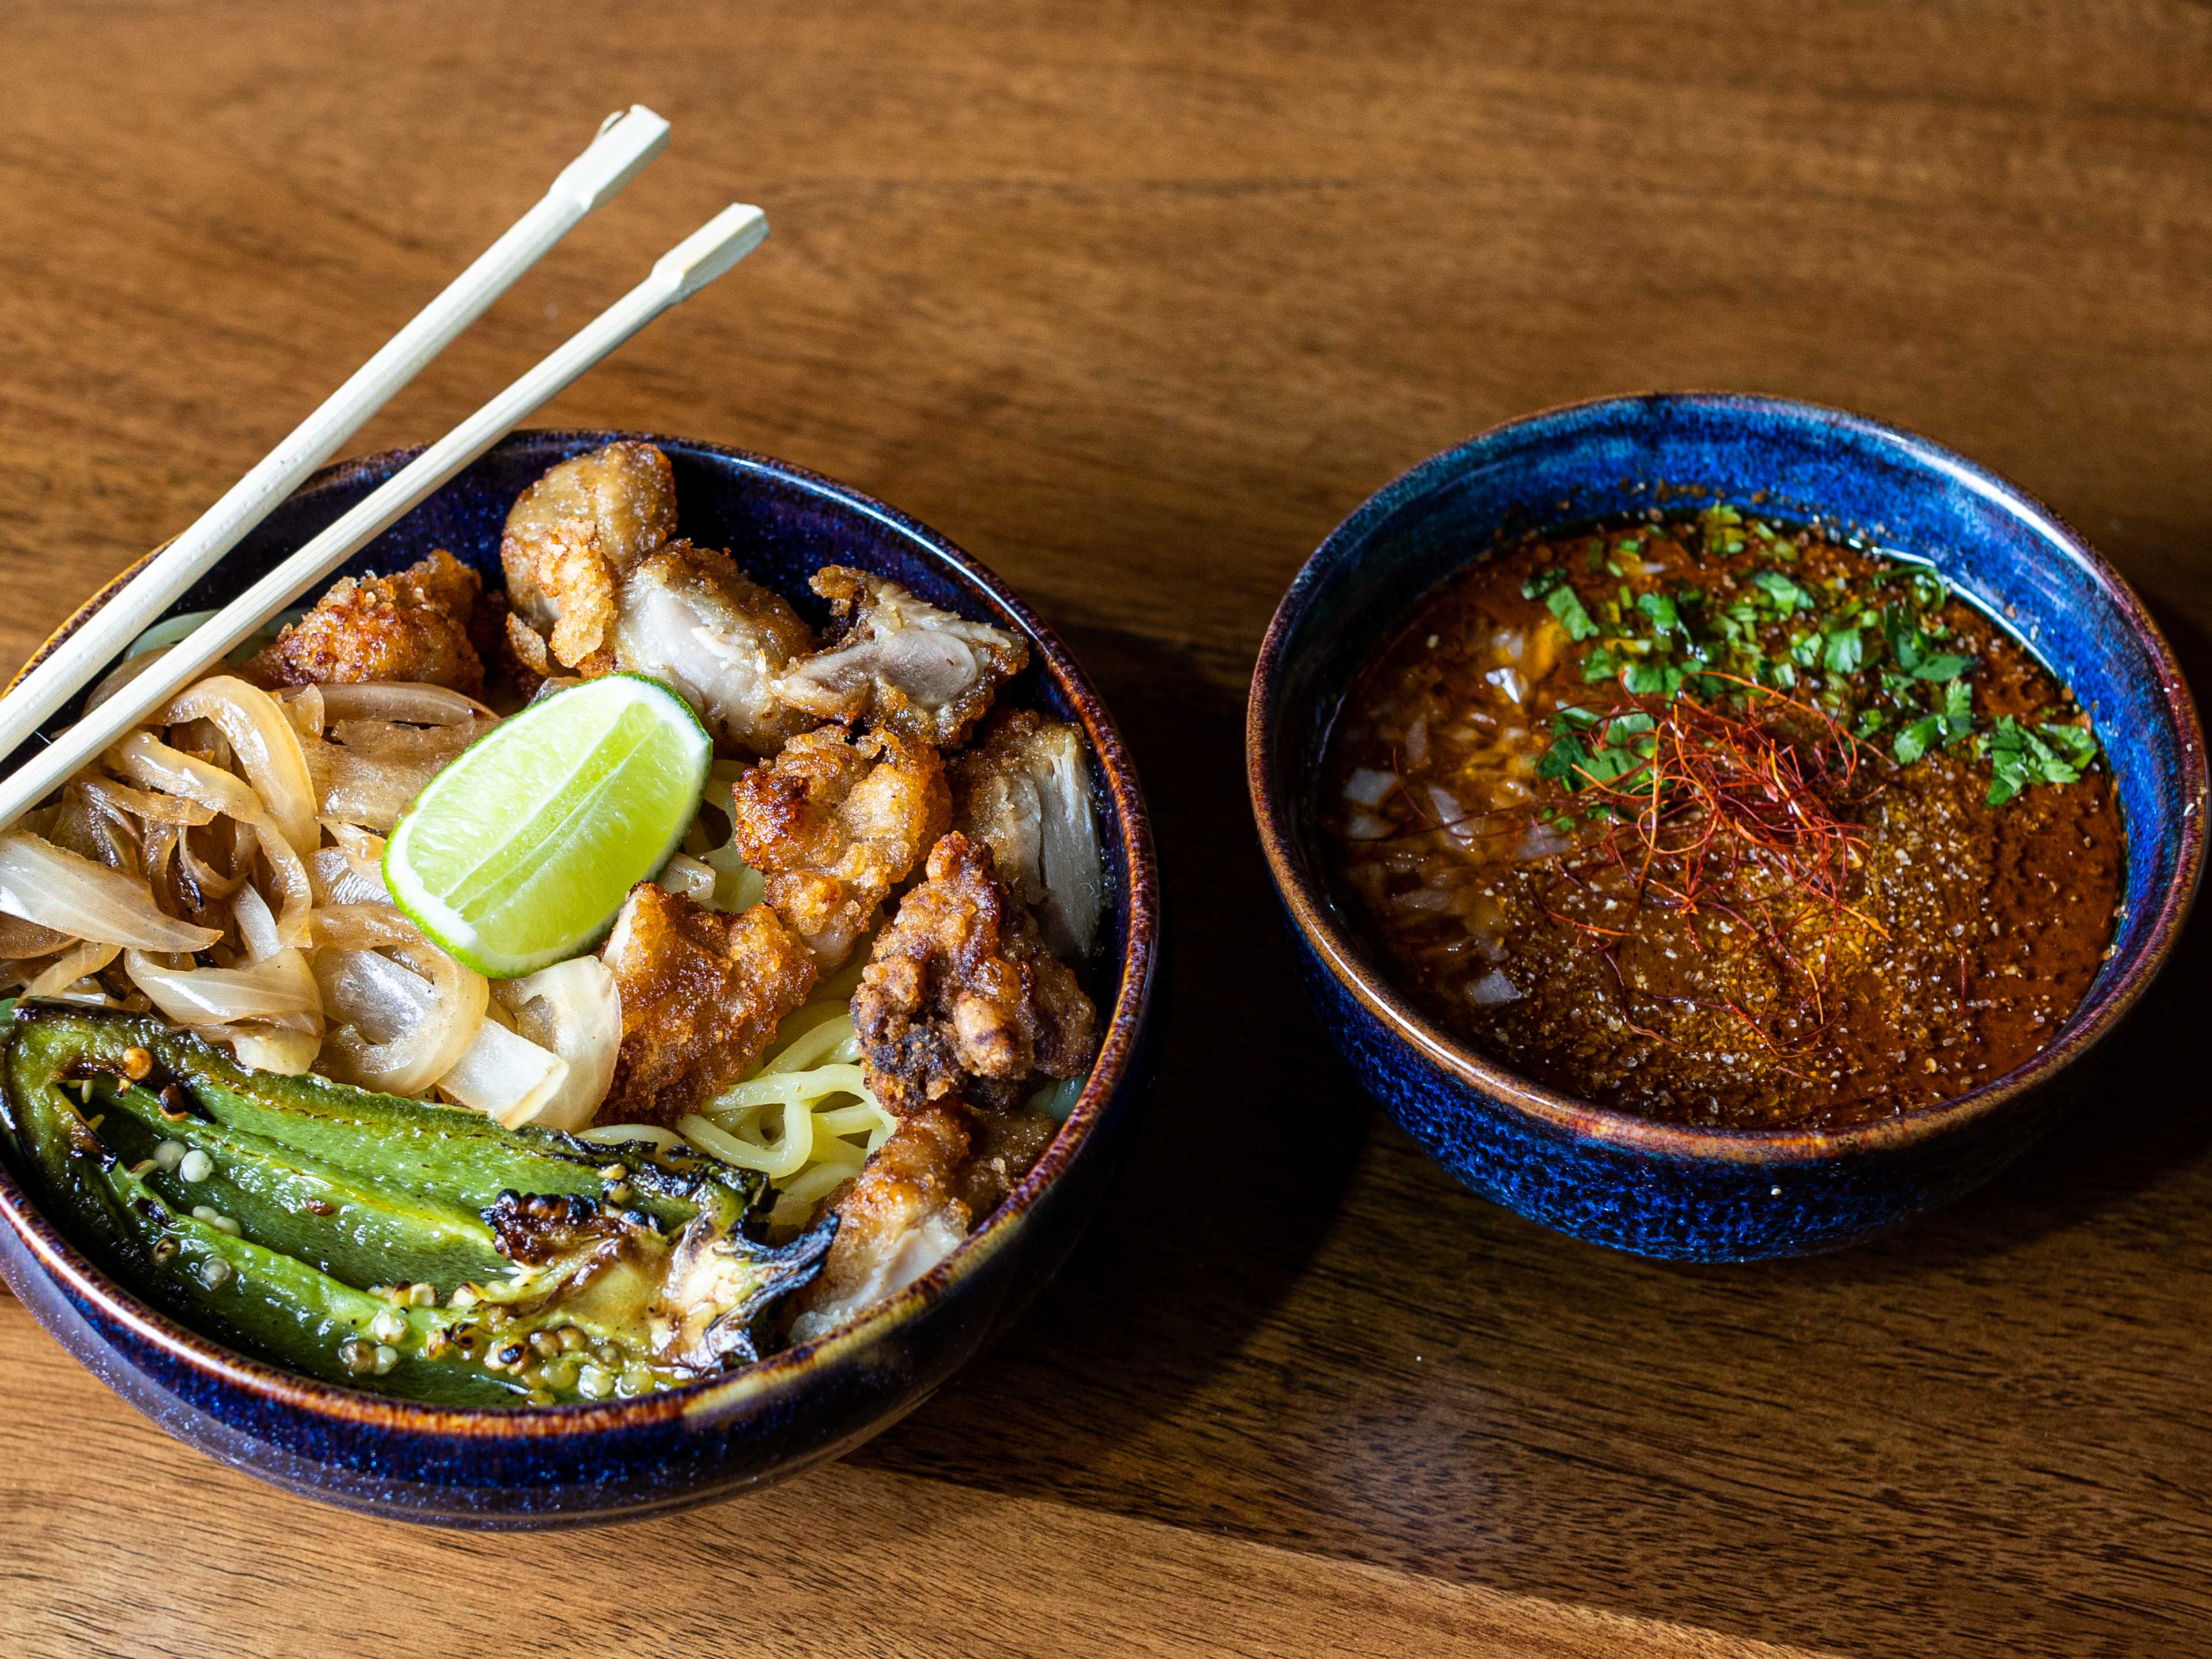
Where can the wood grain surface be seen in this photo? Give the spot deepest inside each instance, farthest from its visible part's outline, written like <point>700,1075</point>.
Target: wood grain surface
<point>1136,300</point>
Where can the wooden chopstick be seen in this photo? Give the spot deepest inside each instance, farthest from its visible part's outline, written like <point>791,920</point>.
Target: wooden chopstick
<point>626,142</point>
<point>675,277</point>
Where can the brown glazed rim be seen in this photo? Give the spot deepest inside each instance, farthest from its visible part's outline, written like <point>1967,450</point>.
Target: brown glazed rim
<point>1586,1121</point>
<point>700,1402</point>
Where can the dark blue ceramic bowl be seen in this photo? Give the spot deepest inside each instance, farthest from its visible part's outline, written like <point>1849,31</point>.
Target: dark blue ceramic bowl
<point>566,1465</point>
<point>1661,1189</point>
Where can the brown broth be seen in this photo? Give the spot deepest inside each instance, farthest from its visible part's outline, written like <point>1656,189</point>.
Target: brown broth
<point>1964,935</point>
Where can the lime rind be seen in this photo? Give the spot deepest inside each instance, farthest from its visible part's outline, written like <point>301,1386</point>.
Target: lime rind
<point>518,853</point>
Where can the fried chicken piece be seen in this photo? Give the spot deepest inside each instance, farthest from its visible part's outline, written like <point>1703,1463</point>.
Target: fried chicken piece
<point>416,625</point>
<point>581,584</point>
<point>690,616</point>
<point>523,657</point>
<point>615,504</point>
<point>833,823</point>
<point>924,672</point>
<point>896,1220</point>
<point>702,993</point>
<point>962,996</point>
<point>1005,1147</point>
<point>1025,789</point>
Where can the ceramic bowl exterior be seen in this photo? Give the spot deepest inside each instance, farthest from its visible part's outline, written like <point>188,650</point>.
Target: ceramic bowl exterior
<point>1668,1190</point>
<point>574,1464</point>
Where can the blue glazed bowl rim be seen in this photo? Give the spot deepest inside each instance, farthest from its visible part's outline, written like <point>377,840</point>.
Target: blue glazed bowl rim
<point>1585,1120</point>
<point>699,1405</point>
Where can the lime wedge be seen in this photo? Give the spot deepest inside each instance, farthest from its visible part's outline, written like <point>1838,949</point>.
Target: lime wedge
<point>518,853</point>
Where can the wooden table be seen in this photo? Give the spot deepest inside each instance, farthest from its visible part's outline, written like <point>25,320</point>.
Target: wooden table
<point>1136,302</point>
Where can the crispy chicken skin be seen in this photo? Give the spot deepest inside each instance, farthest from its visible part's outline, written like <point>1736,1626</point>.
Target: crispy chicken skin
<point>702,992</point>
<point>689,615</point>
<point>961,997</point>
<point>416,625</point>
<point>1004,1147</point>
<point>942,1171</point>
<point>833,823</point>
<point>617,504</point>
<point>922,671</point>
<point>1024,787</point>
<point>896,1219</point>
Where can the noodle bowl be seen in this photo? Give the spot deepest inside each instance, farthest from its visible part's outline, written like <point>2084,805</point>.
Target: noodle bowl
<point>245,825</point>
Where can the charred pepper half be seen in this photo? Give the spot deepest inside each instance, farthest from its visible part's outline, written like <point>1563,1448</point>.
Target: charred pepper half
<point>417,1249</point>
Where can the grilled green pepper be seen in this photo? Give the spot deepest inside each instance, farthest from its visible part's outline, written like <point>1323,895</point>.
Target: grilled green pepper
<point>417,1249</point>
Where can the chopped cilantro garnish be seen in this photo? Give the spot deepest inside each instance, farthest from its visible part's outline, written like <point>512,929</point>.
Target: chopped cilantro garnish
<point>2020,756</point>
<point>1845,652</point>
<point>1945,667</point>
<point>1786,594</point>
<point>1645,679</point>
<point>1543,582</point>
<point>1566,605</point>
<point>1912,742</point>
<point>1958,711</point>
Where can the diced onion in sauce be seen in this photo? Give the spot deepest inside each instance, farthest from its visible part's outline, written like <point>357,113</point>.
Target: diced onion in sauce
<point>1366,787</point>
<point>1492,990</point>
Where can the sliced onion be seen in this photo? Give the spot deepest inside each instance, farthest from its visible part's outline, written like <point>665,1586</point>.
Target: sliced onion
<point>124,672</point>
<point>289,1054</point>
<point>688,876</point>
<point>303,706</point>
<point>364,855</point>
<point>407,1022</point>
<point>505,1076</point>
<point>574,1010</point>
<point>406,746</point>
<point>42,883</point>
<point>91,830</point>
<point>282,988</point>
<point>354,789</point>
<point>361,843</point>
<point>143,758</point>
<point>267,745</point>
<point>19,938</point>
<point>211,885</point>
<point>337,880</point>
<point>70,967</point>
<point>413,702</point>
<point>257,925</point>
<point>153,808</point>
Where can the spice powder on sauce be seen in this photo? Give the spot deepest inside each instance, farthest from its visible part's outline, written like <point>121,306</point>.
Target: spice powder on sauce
<point>1722,821</point>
